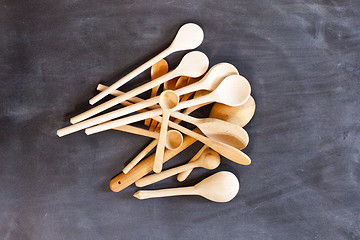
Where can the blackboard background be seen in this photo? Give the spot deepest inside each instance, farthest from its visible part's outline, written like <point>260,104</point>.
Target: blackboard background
<point>301,58</point>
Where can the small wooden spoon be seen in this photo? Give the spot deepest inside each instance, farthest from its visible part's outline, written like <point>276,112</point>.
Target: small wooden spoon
<point>233,91</point>
<point>209,160</point>
<point>157,70</point>
<point>168,101</point>
<point>219,187</point>
<point>238,115</point>
<point>193,64</point>
<point>188,37</point>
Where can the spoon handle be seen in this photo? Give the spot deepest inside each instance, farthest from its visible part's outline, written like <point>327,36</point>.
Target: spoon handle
<point>145,194</point>
<point>183,175</point>
<point>153,178</point>
<point>140,156</point>
<point>138,131</point>
<point>184,117</point>
<point>123,97</point>
<point>131,75</point>
<point>133,100</point>
<point>160,148</point>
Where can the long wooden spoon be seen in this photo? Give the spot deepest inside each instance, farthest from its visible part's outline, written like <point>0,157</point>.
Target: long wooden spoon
<point>188,37</point>
<point>209,160</point>
<point>238,115</point>
<point>168,101</point>
<point>193,64</point>
<point>210,81</point>
<point>219,187</point>
<point>233,91</point>
<point>157,70</point>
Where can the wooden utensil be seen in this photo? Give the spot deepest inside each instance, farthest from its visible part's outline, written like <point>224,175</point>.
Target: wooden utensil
<point>209,82</point>
<point>219,187</point>
<point>188,37</point>
<point>193,64</point>
<point>219,130</point>
<point>209,160</point>
<point>238,115</point>
<point>168,101</point>
<point>233,91</point>
<point>157,70</point>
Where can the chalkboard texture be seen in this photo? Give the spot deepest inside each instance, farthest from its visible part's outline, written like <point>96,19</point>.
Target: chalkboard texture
<point>302,60</point>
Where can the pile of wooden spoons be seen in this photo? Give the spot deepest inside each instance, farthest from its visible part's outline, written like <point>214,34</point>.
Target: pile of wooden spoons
<point>184,89</point>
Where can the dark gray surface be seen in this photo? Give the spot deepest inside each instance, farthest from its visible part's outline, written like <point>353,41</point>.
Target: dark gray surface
<point>301,58</point>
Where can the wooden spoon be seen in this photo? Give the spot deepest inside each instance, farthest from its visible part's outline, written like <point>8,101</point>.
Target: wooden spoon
<point>219,187</point>
<point>193,64</point>
<point>209,160</point>
<point>238,115</point>
<point>168,101</point>
<point>157,70</point>
<point>218,130</point>
<point>188,37</point>
<point>209,82</point>
<point>233,91</point>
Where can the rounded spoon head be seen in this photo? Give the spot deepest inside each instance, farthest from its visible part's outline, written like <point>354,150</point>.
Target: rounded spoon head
<point>238,115</point>
<point>189,36</point>
<point>209,159</point>
<point>224,132</point>
<point>219,187</point>
<point>234,90</point>
<point>216,75</point>
<point>174,139</point>
<point>168,99</point>
<point>193,64</point>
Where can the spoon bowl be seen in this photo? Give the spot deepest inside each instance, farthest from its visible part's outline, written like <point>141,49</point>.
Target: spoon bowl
<point>219,187</point>
<point>238,115</point>
<point>174,139</point>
